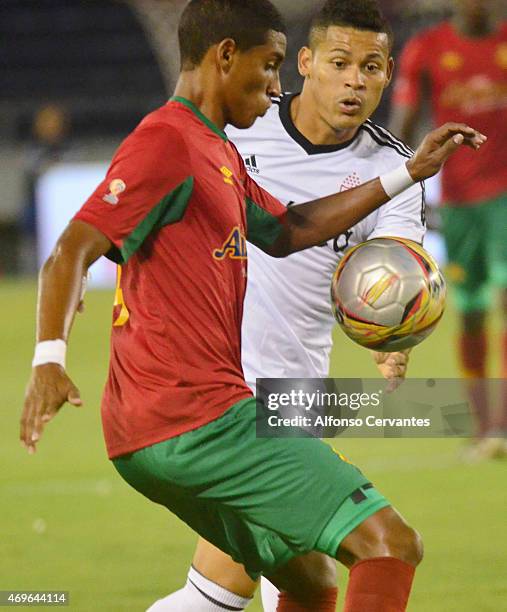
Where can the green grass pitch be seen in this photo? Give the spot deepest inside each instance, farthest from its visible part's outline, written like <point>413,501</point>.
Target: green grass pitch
<point>70,523</point>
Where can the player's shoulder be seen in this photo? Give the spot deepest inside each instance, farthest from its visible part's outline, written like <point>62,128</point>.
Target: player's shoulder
<point>174,118</point>
<point>380,142</point>
<point>155,137</point>
<point>165,126</point>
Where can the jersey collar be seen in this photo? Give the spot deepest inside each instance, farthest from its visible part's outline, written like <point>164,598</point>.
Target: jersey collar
<point>295,134</point>
<point>200,116</point>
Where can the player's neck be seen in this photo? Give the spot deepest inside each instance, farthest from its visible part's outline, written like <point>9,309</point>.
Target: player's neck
<point>195,87</point>
<point>478,29</point>
<point>313,127</point>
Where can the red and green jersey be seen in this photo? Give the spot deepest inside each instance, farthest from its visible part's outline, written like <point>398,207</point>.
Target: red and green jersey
<point>178,205</point>
<point>468,83</point>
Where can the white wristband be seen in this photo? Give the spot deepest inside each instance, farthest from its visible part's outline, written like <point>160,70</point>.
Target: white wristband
<point>50,351</point>
<point>396,181</point>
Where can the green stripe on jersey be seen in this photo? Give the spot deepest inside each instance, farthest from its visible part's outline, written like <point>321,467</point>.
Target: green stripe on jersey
<point>169,209</point>
<point>263,228</point>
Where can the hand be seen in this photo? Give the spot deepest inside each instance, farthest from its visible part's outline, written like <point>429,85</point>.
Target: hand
<point>440,144</point>
<point>48,389</point>
<point>392,366</point>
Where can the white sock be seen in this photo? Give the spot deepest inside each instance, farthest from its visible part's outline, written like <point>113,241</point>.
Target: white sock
<point>269,594</point>
<point>200,595</point>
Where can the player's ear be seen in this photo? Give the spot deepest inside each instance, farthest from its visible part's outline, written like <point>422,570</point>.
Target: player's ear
<point>389,71</point>
<point>304,61</point>
<point>225,52</point>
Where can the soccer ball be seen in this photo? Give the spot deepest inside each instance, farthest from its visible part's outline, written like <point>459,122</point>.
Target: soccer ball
<point>388,294</point>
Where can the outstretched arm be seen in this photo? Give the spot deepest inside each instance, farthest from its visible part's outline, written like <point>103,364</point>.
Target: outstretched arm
<point>60,287</point>
<point>315,222</point>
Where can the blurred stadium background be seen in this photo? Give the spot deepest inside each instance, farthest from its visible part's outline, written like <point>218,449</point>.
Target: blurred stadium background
<point>76,77</point>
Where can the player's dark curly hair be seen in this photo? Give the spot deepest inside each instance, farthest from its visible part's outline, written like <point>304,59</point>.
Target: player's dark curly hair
<point>205,23</point>
<point>359,14</point>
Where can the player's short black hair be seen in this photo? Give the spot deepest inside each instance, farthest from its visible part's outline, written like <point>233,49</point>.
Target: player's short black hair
<point>205,23</point>
<point>359,14</point>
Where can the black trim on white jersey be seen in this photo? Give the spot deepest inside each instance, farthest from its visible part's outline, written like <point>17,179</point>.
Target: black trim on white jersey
<point>389,136</point>
<point>295,134</point>
<point>385,138</point>
<point>276,100</point>
<point>423,203</point>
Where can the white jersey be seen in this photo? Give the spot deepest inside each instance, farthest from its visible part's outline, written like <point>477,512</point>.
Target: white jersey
<point>288,321</point>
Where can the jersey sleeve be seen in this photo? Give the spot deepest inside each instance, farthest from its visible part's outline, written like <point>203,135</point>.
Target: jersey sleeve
<point>412,66</point>
<point>403,216</point>
<point>148,185</point>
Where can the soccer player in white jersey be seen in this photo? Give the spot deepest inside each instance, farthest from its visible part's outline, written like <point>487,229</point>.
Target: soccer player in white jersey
<point>309,145</point>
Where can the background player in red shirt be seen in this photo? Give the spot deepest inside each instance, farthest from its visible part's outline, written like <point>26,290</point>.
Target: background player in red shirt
<point>174,211</point>
<point>460,66</point>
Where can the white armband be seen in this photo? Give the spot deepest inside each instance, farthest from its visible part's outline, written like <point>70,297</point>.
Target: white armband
<point>50,351</point>
<point>396,181</point>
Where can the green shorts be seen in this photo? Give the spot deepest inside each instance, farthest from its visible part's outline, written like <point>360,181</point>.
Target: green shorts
<point>476,241</point>
<point>260,500</point>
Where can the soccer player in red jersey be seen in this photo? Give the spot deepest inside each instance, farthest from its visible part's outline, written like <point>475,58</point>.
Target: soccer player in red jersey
<point>174,211</point>
<point>463,64</point>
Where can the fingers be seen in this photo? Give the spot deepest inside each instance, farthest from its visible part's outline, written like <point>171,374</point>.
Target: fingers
<point>476,141</point>
<point>394,383</point>
<point>469,135</point>
<point>35,417</point>
<point>438,145</point>
<point>399,358</point>
<point>450,128</point>
<point>48,390</point>
<point>74,397</point>
<point>380,357</point>
<point>393,367</point>
<point>26,428</point>
<point>449,147</point>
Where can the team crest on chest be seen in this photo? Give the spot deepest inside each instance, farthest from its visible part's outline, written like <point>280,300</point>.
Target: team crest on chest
<point>234,247</point>
<point>350,182</point>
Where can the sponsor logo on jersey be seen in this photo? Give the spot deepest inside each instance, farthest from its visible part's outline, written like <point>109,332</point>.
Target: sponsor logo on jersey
<point>451,60</point>
<point>350,182</point>
<point>501,55</point>
<point>120,311</point>
<point>341,242</point>
<point>116,186</point>
<point>234,247</point>
<point>227,175</point>
<point>251,164</point>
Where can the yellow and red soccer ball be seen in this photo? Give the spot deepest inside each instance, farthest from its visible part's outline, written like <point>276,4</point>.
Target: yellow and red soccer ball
<point>388,294</point>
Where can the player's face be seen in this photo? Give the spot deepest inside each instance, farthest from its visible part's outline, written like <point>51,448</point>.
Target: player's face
<point>253,77</point>
<point>346,73</point>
